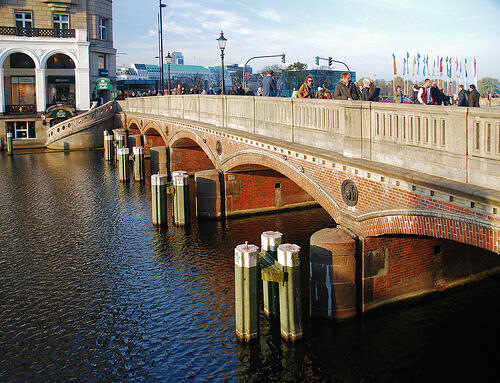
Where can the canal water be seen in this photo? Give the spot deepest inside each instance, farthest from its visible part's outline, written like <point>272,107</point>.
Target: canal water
<point>90,291</point>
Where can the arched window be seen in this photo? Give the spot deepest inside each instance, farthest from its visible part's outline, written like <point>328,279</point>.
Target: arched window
<point>60,61</point>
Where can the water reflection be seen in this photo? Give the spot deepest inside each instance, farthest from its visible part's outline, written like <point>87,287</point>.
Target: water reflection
<point>91,291</point>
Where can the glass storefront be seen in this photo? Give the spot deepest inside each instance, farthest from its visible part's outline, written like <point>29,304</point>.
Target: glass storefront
<point>22,90</point>
<point>21,129</point>
<point>61,90</point>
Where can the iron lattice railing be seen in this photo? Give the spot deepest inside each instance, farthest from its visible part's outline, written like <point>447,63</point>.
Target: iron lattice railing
<point>37,32</point>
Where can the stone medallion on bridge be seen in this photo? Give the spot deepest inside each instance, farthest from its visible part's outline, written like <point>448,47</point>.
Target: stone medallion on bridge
<point>349,193</point>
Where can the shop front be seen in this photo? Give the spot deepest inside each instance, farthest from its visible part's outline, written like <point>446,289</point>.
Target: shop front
<point>61,90</point>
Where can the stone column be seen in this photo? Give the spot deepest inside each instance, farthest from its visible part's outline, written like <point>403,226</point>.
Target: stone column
<point>209,198</point>
<point>82,88</point>
<point>332,278</point>
<point>2,92</point>
<point>159,160</point>
<point>41,89</point>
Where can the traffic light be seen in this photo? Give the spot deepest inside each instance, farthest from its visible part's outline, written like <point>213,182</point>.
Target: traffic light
<point>330,61</point>
<point>283,58</point>
<point>317,60</point>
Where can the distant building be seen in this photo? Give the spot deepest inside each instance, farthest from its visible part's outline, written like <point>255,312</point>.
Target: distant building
<point>144,77</point>
<point>178,58</point>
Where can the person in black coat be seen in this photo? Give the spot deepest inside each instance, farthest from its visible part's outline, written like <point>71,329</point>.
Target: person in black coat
<point>370,92</point>
<point>436,94</point>
<point>463,98</point>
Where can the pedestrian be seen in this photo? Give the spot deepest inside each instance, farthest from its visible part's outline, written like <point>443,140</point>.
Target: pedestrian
<point>354,89</point>
<point>473,97</point>
<point>210,90</point>
<point>269,85</point>
<point>327,95</point>
<point>437,99</point>
<point>294,93</point>
<point>196,90</point>
<point>260,91</point>
<point>240,91</point>
<point>424,93</point>
<point>249,92</point>
<point>231,91</point>
<point>341,91</point>
<point>463,98</point>
<point>319,93</point>
<point>370,92</point>
<point>414,94</point>
<point>398,95</point>
<point>306,90</point>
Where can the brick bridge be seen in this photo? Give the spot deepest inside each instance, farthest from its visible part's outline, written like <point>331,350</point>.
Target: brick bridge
<point>416,187</point>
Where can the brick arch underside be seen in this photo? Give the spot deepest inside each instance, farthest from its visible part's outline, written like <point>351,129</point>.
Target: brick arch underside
<point>243,159</point>
<point>189,152</point>
<point>153,135</point>
<point>457,229</point>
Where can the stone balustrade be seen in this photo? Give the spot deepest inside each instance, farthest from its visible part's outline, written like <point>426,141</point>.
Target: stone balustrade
<point>457,144</point>
<point>80,123</point>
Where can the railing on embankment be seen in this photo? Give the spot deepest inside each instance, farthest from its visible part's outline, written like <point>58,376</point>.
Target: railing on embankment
<point>78,124</point>
<point>459,144</point>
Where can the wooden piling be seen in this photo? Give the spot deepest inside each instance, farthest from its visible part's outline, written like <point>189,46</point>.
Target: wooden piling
<point>270,240</point>
<point>290,293</point>
<point>139,163</point>
<point>9,143</point>
<point>123,164</point>
<point>159,199</point>
<point>180,181</point>
<point>108,146</point>
<point>246,272</point>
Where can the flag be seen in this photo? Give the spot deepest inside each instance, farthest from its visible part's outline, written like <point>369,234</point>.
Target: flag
<point>456,62</point>
<point>418,62</point>
<point>475,73</point>
<point>441,66</point>
<point>423,64</point>
<point>404,66</point>
<point>465,69</point>
<point>394,60</point>
<point>434,68</point>
<point>414,62</point>
<point>407,63</point>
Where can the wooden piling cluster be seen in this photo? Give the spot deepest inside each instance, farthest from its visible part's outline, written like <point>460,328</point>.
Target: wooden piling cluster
<point>278,266</point>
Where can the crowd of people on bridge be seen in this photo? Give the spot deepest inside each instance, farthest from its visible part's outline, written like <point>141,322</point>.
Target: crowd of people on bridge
<point>427,93</point>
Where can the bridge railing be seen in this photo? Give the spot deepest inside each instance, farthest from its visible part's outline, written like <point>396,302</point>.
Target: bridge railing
<point>460,144</point>
<point>80,122</point>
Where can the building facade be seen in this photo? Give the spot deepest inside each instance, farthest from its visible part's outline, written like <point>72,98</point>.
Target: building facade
<point>51,54</point>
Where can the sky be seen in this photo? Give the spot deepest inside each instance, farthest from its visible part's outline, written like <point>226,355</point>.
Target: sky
<point>362,33</point>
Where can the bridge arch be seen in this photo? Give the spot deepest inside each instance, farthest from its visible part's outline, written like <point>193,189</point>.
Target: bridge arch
<point>190,152</point>
<point>287,169</point>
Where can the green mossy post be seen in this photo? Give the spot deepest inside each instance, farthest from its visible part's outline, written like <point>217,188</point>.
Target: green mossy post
<point>120,141</point>
<point>139,163</point>
<point>123,164</point>
<point>9,143</point>
<point>289,291</point>
<point>159,199</point>
<point>180,181</point>
<point>246,274</point>
<point>108,146</point>
<point>270,240</point>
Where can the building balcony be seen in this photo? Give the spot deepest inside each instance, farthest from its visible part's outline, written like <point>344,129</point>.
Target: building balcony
<point>37,32</point>
<point>20,109</point>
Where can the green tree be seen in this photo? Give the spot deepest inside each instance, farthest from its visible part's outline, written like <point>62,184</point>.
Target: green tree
<point>297,66</point>
<point>488,85</point>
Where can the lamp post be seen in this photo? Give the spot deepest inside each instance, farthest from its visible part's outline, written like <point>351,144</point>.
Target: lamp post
<point>161,45</point>
<point>222,45</point>
<point>169,61</point>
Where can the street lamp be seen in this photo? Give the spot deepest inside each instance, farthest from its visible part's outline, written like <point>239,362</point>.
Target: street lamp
<point>169,61</point>
<point>161,5</point>
<point>222,45</point>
